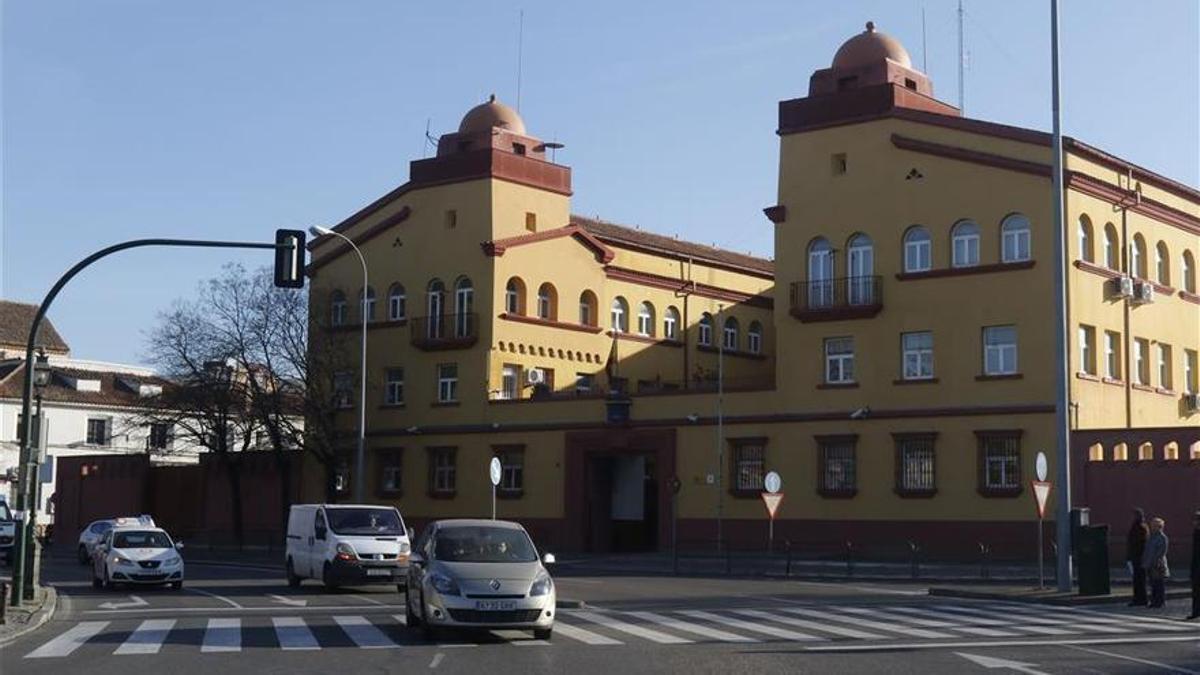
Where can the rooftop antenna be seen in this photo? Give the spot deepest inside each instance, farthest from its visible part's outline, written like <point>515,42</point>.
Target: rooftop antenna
<point>429,139</point>
<point>962,61</point>
<point>924,49</point>
<point>520,45</point>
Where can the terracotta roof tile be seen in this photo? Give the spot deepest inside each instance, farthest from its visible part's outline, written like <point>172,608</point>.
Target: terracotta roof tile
<point>115,389</point>
<point>15,318</point>
<point>620,234</point>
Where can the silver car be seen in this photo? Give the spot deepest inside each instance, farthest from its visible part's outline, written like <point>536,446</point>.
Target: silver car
<point>479,574</point>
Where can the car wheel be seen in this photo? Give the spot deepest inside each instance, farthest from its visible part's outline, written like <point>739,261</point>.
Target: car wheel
<point>411,620</point>
<point>83,555</point>
<point>292,579</point>
<point>327,578</point>
<point>542,633</point>
<point>177,585</point>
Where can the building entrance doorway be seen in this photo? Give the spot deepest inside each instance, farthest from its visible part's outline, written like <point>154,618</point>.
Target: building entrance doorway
<point>623,502</point>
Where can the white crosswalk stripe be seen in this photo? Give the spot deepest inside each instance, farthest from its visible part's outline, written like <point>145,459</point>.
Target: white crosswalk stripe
<point>364,633</point>
<point>763,628</point>
<point>292,633</point>
<point>583,635</point>
<point>688,627</point>
<point>1128,623</point>
<point>885,627</point>
<point>68,642</point>
<point>821,627</point>
<point>631,628</point>
<point>147,638</point>
<point>899,614</point>
<point>223,635</point>
<point>986,618</point>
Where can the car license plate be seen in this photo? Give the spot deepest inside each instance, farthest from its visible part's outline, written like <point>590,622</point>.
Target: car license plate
<point>379,573</point>
<point>495,605</point>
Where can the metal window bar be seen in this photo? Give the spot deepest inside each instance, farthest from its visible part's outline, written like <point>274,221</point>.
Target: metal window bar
<point>832,293</point>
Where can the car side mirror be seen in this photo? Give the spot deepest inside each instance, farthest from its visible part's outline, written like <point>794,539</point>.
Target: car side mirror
<point>179,546</point>
<point>548,559</point>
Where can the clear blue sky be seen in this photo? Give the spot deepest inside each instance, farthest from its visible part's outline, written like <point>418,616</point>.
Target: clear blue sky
<point>227,119</point>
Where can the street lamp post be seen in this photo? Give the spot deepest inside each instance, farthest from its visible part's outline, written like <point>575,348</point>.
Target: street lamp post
<point>360,451</point>
<point>41,378</point>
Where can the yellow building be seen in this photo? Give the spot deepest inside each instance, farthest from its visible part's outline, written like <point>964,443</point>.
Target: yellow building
<point>894,363</point>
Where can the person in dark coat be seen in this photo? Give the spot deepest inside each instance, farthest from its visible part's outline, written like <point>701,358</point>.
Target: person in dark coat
<point>1195,567</point>
<point>1135,546</point>
<point>1155,561</point>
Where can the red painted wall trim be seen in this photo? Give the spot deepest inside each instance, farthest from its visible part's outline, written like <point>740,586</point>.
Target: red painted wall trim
<point>1098,270</point>
<point>776,214</point>
<point>603,253</point>
<point>965,271</point>
<point>1190,297</point>
<point>537,321</point>
<point>707,262</point>
<point>972,156</point>
<point>703,290</point>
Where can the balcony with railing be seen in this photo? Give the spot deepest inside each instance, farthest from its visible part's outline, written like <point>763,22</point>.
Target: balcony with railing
<point>447,331</point>
<point>837,299</point>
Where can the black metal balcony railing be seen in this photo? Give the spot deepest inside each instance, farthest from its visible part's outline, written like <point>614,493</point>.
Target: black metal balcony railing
<point>835,299</point>
<point>445,331</point>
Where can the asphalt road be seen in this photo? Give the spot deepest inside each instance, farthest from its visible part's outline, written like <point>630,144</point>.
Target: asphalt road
<point>240,620</point>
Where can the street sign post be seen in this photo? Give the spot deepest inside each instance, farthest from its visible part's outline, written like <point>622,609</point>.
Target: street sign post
<point>494,472</point>
<point>1041,493</point>
<point>772,483</point>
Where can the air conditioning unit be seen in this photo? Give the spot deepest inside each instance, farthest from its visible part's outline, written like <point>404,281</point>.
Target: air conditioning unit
<point>1123,287</point>
<point>535,376</point>
<point>1143,292</point>
<point>1191,402</point>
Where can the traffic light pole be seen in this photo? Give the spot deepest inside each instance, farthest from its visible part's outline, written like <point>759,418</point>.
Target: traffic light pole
<point>27,485</point>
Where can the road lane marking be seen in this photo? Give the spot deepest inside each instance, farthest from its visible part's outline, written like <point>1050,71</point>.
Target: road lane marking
<point>222,598</point>
<point>364,633</point>
<point>583,635</point>
<point>889,646</point>
<point>1158,622</point>
<point>1094,624</point>
<point>773,631</point>
<point>630,628</point>
<point>951,623</point>
<point>222,635</point>
<point>372,601</point>
<point>1156,664</point>
<point>985,618</point>
<point>69,641</point>
<point>147,638</point>
<point>437,658</point>
<point>333,609</point>
<point>293,633</point>
<point>867,623</point>
<point>688,627</point>
<point>288,601</point>
<point>1023,622</point>
<point>137,601</point>
<point>809,625</point>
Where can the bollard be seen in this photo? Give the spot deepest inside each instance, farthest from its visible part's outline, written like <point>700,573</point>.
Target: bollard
<point>3,602</point>
<point>983,560</point>
<point>849,559</point>
<point>914,549</point>
<point>788,547</point>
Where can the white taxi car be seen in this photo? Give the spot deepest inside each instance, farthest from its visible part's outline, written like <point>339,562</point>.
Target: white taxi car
<point>137,554</point>
<point>94,533</point>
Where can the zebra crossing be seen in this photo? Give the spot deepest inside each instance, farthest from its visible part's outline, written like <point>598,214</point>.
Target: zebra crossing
<point>596,627</point>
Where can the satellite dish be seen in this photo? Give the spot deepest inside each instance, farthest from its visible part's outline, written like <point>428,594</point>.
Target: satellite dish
<point>551,146</point>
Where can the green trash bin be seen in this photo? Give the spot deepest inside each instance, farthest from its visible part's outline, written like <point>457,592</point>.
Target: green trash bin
<point>1092,560</point>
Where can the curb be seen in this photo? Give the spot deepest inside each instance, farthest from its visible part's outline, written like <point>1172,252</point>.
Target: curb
<point>1064,600</point>
<point>49,606</point>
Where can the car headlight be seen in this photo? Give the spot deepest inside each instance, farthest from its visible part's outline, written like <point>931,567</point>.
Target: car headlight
<point>443,584</point>
<point>346,552</point>
<point>118,560</point>
<point>541,586</point>
<point>404,547</point>
<point>172,561</point>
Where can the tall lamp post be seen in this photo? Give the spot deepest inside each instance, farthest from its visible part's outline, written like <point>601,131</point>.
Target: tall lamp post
<point>41,378</point>
<point>360,451</point>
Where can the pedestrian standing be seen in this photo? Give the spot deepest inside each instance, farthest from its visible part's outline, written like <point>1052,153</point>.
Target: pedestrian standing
<point>1195,567</point>
<point>1135,547</point>
<point>1155,561</point>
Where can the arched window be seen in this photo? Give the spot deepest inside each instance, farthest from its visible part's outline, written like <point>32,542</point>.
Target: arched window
<point>464,306</point>
<point>964,241</point>
<point>1121,452</point>
<point>918,250</point>
<point>367,308</point>
<point>731,340</point>
<point>671,324</point>
<point>860,261</point>
<point>704,335</point>
<point>1015,239</point>
<point>514,296</point>
<point>1112,249</point>
<point>396,302</point>
<point>547,302</point>
<point>1162,264</point>
<point>1086,252</point>
<point>645,319</point>
<point>820,273</point>
<point>435,305</point>
<point>1145,452</point>
<point>587,308</point>
<point>1187,272</point>
<point>620,315</point>
<point>1096,453</point>
<point>1137,257</point>
<point>337,308</point>
<point>754,338</point>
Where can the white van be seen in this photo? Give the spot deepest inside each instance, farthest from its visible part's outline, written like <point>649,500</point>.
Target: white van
<point>347,545</point>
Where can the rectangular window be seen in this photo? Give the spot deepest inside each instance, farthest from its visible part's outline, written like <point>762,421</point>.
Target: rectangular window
<point>999,463</point>
<point>918,254</point>
<point>547,379</point>
<point>839,360</point>
<point>1112,355</point>
<point>749,464</point>
<point>1164,366</point>
<point>510,382</point>
<point>159,437</point>
<point>837,474</point>
<point>705,335</point>
<point>531,221</point>
<point>447,390</point>
<point>915,462</point>
<point>343,390</point>
<point>510,300</point>
<point>512,469</point>
<point>443,471</point>
<point>669,327</point>
<point>917,355</point>
<point>584,383</point>
<point>1000,350</point>
<point>1141,361</point>
<point>391,473</point>
<point>730,342</point>
<point>393,392</point>
<point>1191,371</point>
<point>1087,350</point>
<point>99,431</point>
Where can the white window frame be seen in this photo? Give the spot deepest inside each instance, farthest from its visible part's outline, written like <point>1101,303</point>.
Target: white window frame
<point>729,337</point>
<point>754,340</point>
<point>397,301</point>
<point>1005,353</point>
<point>1085,241</point>
<point>367,305</point>
<point>393,388</point>
<point>511,299</point>
<point>1162,266</point>
<point>1164,366</point>
<point>337,310</point>
<point>964,242</point>
<point>618,315</point>
<point>543,305</point>
<point>1141,370</point>
<point>1087,348</point>
<point>918,250</point>
<point>917,359</point>
<point>1004,459</point>
<point>447,382</point>
<point>1016,239</point>
<point>645,320</point>
<point>464,304</point>
<point>445,470</point>
<point>392,476</point>
<point>704,332</point>
<point>1112,355</point>
<point>106,440</point>
<point>1190,358</point>
<point>510,382</point>
<point>839,364</point>
<point>670,325</point>
<point>1112,259</point>
<point>343,389</point>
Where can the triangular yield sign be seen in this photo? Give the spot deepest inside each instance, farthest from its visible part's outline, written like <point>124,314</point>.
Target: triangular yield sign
<point>1041,492</point>
<point>772,500</point>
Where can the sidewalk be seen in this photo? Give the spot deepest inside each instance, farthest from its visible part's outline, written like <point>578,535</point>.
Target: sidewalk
<point>29,616</point>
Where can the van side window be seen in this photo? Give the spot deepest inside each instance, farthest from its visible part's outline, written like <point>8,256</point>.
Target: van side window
<point>319,522</point>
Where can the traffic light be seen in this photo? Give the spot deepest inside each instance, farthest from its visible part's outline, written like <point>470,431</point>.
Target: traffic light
<point>290,257</point>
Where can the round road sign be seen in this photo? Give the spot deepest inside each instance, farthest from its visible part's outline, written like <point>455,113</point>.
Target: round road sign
<point>772,482</point>
<point>1041,466</point>
<point>494,470</point>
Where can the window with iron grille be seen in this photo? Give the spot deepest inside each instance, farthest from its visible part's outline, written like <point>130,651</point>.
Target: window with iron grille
<point>391,473</point>
<point>999,463</point>
<point>442,471</point>
<point>512,469</point>
<point>837,473</point>
<point>749,465</point>
<point>915,464</point>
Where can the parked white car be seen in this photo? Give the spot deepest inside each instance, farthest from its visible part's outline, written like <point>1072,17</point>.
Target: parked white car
<point>8,531</point>
<point>94,533</point>
<point>346,545</point>
<point>133,554</point>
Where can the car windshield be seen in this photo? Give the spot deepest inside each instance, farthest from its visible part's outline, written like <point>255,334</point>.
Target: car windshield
<point>102,527</point>
<point>375,522</point>
<point>139,539</point>
<point>484,544</point>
